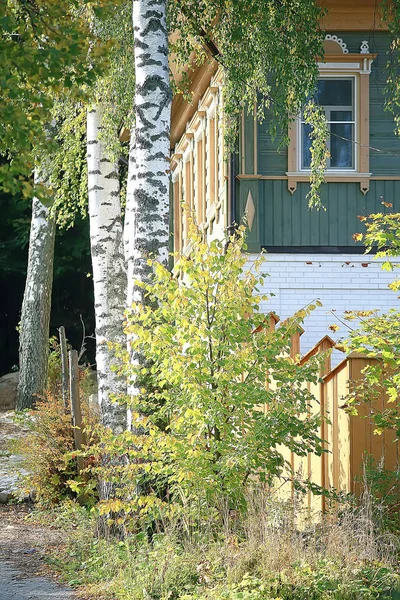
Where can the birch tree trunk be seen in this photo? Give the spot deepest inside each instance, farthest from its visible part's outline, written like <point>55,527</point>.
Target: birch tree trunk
<point>36,307</point>
<point>109,273</point>
<point>148,182</point>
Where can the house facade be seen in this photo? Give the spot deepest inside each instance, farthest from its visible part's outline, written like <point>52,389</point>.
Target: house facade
<point>309,254</point>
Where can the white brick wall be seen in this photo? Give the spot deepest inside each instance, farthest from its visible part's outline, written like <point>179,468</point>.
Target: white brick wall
<point>342,282</point>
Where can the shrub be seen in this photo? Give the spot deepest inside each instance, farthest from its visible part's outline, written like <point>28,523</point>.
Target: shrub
<point>48,451</point>
<point>210,364</point>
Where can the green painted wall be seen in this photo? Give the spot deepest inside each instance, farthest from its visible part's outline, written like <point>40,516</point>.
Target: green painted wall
<point>284,220</point>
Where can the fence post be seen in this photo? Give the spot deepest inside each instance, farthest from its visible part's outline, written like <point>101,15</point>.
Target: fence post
<point>64,367</point>
<point>79,438</point>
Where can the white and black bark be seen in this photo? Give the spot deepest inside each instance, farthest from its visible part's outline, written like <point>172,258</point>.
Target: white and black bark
<point>148,182</point>
<point>36,308</point>
<point>109,272</point>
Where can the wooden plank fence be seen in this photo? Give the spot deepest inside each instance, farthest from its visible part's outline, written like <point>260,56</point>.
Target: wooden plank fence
<point>347,438</point>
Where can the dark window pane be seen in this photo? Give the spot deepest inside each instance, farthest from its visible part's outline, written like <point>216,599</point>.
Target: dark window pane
<point>335,92</point>
<point>305,146</point>
<point>341,115</point>
<point>341,146</point>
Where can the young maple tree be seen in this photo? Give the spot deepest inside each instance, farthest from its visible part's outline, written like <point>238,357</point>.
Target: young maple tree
<point>219,392</point>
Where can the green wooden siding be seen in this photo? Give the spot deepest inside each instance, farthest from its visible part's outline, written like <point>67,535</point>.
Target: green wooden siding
<point>283,220</point>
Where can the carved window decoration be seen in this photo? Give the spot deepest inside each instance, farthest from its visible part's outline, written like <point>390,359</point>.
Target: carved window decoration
<point>343,92</point>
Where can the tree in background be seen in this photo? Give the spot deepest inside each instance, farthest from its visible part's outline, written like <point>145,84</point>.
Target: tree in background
<point>44,50</point>
<point>36,306</point>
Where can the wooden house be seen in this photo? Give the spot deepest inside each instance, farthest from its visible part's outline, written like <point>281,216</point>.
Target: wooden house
<point>310,254</point>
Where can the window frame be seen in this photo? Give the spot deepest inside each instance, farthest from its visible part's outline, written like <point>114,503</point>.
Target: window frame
<point>341,65</point>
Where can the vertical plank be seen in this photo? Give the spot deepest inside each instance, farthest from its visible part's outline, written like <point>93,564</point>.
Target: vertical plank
<point>187,207</point>
<point>242,145</point>
<point>343,433</point>
<point>360,439</point>
<point>176,187</point>
<point>364,123</point>
<point>249,142</point>
<point>79,437</point>
<point>64,368</point>
<point>212,163</point>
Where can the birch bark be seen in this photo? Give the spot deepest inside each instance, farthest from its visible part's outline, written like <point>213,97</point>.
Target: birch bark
<point>109,272</point>
<point>36,307</point>
<point>148,182</point>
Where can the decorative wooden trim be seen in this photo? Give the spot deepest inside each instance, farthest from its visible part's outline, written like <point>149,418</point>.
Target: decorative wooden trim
<point>177,196</point>
<point>336,43</point>
<point>175,160</point>
<point>305,178</point>
<point>200,179</point>
<point>211,162</point>
<point>364,124</point>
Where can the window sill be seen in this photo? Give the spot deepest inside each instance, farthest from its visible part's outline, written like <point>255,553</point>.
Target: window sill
<point>295,177</point>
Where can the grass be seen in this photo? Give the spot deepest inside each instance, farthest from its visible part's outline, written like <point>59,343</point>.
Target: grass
<point>262,556</point>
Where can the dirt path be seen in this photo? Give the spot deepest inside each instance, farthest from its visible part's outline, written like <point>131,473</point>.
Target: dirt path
<point>23,547</point>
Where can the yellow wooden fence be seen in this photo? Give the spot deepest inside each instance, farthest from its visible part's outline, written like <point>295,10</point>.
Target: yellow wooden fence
<point>347,438</point>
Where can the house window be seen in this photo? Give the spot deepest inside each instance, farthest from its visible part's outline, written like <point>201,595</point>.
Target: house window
<point>336,95</point>
<point>343,93</point>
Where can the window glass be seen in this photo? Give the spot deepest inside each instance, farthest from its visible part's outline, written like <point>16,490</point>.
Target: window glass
<point>336,96</point>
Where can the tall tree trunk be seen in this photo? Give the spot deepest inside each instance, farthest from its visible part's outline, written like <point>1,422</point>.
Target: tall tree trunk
<point>36,307</point>
<point>109,273</point>
<point>148,182</point>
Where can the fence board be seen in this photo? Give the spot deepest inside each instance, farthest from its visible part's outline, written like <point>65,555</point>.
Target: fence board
<point>347,438</point>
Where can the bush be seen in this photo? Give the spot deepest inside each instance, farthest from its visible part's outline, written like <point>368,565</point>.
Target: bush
<point>210,362</point>
<point>49,455</point>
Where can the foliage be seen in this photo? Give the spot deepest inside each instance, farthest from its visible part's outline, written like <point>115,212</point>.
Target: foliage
<point>115,89</point>
<point>48,449</point>
<point>268,60</point>
<point>67,170</point>
<point>382,236</point>
<point>64,159</point>
<point>380,489</point>
<point>377,337</point>
<point>211,363</point>
<point>391,16</point>
<point>253,40</point>
<point>47,50</point>
<point>315,117</point>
